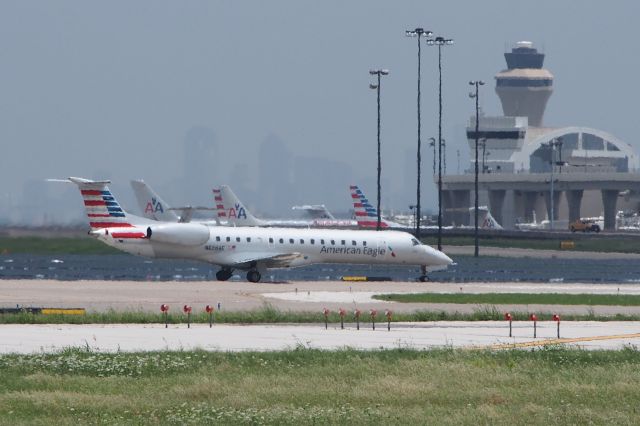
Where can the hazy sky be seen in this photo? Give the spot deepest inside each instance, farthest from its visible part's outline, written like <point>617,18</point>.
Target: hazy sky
<point>92,88</point>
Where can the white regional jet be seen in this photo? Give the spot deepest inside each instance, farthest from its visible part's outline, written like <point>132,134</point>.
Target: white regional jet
<point>248,248</point>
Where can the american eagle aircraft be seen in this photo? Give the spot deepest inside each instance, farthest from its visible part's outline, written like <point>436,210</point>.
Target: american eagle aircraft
<point>248,248</point>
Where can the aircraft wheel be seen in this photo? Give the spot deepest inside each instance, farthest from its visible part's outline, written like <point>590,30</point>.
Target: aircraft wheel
<point>223,274</point>
<point>423,278</point>
<point>253,276</point>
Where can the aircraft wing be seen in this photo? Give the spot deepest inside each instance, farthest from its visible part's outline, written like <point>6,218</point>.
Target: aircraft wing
<point>245,260</point>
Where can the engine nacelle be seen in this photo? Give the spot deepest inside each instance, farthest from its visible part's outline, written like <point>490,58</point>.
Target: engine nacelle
<point>184,234</point>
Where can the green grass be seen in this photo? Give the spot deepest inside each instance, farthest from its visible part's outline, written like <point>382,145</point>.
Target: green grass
<point>515,298</point>
<point>37,245</point>
<point>595,244</point>
<point>303,386</point>
<point>270,315</point>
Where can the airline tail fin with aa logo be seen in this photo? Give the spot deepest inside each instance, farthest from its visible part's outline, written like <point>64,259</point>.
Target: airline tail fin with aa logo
<point>231,209</point>
<point>152,206</point>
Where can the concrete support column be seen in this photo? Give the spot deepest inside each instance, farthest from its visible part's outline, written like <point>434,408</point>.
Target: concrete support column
<point>496,202</point>
<point>556,204</point>
<point>609,200</point>
<point>530,198</point>
<point>461,203</point>
<point>574,199</point>
<point>447,204</point>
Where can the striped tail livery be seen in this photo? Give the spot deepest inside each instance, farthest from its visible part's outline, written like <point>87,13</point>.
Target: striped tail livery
<point>366,214</point>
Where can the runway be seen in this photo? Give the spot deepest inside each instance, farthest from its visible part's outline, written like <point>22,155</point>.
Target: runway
<point>493,335</point>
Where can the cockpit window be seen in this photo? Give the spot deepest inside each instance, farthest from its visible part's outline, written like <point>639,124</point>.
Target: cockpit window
<point>415,242</point>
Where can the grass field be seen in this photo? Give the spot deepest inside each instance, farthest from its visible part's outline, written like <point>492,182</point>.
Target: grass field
<point>270,315</point>
<point>37,245</point>
<point>547,386</point>
<point>515,298</point>
<point>595,244</point>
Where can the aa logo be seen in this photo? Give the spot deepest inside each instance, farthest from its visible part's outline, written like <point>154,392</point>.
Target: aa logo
<point>154,206</point>
<point>237,212</point>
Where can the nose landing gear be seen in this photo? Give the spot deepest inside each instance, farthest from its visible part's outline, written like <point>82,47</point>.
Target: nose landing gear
<point>253,276</point>
<point>423,277</point>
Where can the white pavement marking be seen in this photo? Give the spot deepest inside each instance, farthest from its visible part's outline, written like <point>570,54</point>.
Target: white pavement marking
<point>154,337</point>
<point>328,296</point>
<point>452,288</point>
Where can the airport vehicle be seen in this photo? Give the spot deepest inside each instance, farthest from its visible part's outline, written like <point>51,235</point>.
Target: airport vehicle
<point>253,249</point>
<point>584,225</point>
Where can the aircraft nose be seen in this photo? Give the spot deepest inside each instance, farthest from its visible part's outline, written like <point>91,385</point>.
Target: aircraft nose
<point>436,257</point>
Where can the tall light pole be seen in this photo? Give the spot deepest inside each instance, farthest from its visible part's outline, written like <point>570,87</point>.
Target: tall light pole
<point>379,73</point>
<point>484,150</point>
<point>418,33</point>
<point>444,156</point>
<point>476,83</point>
<point>552,147</point>
<point>433,144</point>
<point>439,41</point>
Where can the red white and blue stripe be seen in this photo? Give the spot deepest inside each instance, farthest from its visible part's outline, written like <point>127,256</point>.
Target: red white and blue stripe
<point>217,199</point>
<point>366,214</point>
<point>103,209</point>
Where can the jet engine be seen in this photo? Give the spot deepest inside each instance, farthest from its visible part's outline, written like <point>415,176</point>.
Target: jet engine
<point>184,234</point>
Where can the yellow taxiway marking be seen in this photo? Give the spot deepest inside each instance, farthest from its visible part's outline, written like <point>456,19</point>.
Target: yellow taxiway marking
<point>547,342</point>
<point>57,311</point>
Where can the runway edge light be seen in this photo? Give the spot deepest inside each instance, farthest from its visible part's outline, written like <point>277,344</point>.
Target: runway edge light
<point>534,318</point>
<point>556,318</point>
<point>164,308</point>
<point>508,317</point>
<point>356,314</point>
<point>325,312</point>
<point>209,309</point>
<point>187,310</point>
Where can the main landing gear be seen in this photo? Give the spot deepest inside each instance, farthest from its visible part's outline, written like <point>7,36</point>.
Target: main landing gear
<point>423,277</point>
<point>224,274</point>
<point>253,276</point>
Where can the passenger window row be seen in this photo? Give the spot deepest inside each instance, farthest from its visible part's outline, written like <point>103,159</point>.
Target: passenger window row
<point>312,241</point>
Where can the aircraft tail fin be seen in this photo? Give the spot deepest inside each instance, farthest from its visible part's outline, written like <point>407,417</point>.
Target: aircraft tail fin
<point>366,214</point>
<point>231,209</point>
<point>485,219</point>
<point>103,210</point>
<point>490,222</point>
<point>152,206</point>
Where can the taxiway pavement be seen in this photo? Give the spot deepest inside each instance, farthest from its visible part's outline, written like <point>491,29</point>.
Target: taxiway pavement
<point>26,339</point>
<point>147,296</point>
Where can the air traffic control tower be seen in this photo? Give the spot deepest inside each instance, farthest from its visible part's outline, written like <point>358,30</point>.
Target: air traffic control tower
<point>524,87</point>
<point>591,169</point>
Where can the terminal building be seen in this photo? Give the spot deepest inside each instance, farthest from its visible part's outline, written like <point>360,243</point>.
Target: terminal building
<point>518,156</point>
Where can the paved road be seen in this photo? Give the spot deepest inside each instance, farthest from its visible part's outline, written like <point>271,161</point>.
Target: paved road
<point>486,334</point>
<point>294,296</point>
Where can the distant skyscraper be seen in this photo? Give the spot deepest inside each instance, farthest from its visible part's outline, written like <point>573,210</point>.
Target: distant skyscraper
<point>200,164</point>
<point>318,180</point>
<point>525,87</point>
<point>274,164</point>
